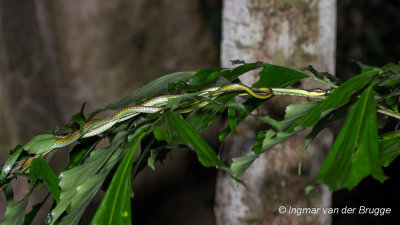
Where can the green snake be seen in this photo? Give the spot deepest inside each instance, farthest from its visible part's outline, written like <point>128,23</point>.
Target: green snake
<point>156,104</point>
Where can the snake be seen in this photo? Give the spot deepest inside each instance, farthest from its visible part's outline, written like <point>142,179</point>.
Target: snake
<point>157,104</point>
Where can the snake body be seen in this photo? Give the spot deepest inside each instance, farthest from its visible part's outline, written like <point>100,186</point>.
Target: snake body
<point>154,105</point>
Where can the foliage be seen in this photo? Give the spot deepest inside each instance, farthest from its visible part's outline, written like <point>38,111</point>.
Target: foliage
<point>360,150</point>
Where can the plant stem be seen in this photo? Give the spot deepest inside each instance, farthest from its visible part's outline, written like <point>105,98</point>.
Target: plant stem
<point>388,112</point>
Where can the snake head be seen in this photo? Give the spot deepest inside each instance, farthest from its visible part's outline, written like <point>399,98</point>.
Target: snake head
<point>317,91</point>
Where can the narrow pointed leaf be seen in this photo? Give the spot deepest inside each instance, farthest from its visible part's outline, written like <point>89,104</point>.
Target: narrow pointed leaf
<point>232,120</point>
<point>115,208</point>
<point>389,149</point>
<point>150,88</point>
<point>278,76</point>
<point>40,143</point>
<point>338,98</point>
<point>40,169</point>
<point>355,153</point>
<point>180,131</point>
<point>10,162</point>
<point>241,164</point>
<point>29,217</point>
<point>15,211</point>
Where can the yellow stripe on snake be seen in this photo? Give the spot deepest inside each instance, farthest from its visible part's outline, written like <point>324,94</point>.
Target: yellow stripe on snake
<point>154,105</point>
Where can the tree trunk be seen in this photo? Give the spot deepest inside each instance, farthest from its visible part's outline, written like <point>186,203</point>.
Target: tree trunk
<point>293,34</point>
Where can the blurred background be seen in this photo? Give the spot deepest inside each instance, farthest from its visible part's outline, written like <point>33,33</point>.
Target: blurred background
<point>55,55</point>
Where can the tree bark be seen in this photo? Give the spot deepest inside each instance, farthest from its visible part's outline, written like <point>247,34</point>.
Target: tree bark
<point>293,34</point>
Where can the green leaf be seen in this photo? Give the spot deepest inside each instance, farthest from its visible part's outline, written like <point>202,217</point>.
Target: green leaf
<point>150,89</point>
<point>237,61</point>
<point>151,161</point>
<point>242,69</point>
<point>78,153</point>
<point>80,184</point>
<point>204,75</point>
<point>10,162</point>
<point>232,120</point>
<point>40,144</point>
<point>249,106</point>
<point>207,75</point>
<point>278,76</point>
<point>320,75</point>
<point>177,130</point>
<point>355,153</point>
<point>338,98</point>
<point>115,208</point>
<point>79,117</point>
<point>208,114</point>
<point>295,111</point>
<point>32,214</point>
<point>241,164</point>
<point>364,67</point>
<point>325,122</point>
<point>40,169</point>
<point>389,149</point>
<point>392,102</point>
<point>391,81</point>
<point>267,139</point>
<point>15,211</point>
<point>272,138</point>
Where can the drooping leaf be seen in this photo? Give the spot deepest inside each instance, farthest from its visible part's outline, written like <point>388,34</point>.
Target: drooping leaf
<point>208,114</point>
<point>389,149</point>
<point>338,98</point>
<point>355,153</point>
<point>278,76</point>
<point>40,143</point>
<point>8,165</point>
<point>151,161</point>
<point>273,138</point>
<point>207,75</point>
<point>232,120</point>
<point>115,208</point>
<point>150,89</point>
<point>178,130</point>
<point>320,75</point>
<point>241,164</point>
<point>81,183</point>
<point>79,117</point>
<point>325,122</point>
<point>392,102</point>
<point>364,67</point>
<point>267,139</point>
<point>242,69</point>
<point>249,106</point>
<point>35,209</point>
<point>15,211</point>
<point>78,153</point>
<point>204,75</point>
<point>40,169</point>
<point>391,81</point>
